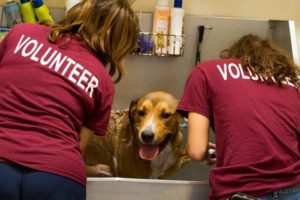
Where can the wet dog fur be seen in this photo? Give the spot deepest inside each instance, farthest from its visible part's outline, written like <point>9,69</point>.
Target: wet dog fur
<point>143,141</point>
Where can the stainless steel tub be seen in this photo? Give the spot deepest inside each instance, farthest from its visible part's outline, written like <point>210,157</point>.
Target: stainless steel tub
<point>145,189</point>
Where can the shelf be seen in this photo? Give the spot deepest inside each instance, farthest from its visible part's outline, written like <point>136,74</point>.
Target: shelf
<point>156,44</point>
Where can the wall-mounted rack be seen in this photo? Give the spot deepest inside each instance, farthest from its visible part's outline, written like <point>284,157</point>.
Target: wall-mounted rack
<point>153,44</point>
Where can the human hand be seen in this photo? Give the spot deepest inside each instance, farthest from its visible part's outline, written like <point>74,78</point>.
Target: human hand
<point>211,154</point>
<point>102,170</point>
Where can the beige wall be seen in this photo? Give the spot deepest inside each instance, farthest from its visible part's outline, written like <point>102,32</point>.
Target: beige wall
<point>259,9</point>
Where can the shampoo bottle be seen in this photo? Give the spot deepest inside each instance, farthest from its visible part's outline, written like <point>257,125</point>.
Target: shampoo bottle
<point>41,11</point>
<point>176,29</point>
<point>161,23</point>
<point>27,11</point>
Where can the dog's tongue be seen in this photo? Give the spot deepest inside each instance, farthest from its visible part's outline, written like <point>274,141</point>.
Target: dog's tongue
<point>149,152</point>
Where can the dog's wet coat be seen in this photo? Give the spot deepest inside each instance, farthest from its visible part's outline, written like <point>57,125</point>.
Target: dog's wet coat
<point>142,142</point>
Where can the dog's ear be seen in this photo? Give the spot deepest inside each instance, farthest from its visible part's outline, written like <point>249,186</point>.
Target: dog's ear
<point>132,110</point>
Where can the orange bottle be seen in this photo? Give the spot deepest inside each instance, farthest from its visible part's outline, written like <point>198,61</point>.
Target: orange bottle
<point>161,23</point>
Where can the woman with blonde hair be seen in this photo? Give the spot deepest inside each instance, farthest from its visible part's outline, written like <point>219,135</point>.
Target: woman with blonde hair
<point>251,100</point>
<point>56,91</point>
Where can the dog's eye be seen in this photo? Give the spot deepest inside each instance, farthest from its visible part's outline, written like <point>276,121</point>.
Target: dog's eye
<point>165,115</point>
<point>141,113</point>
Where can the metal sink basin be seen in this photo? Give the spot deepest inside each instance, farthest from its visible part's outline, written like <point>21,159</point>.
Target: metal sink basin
<point>145,189</point>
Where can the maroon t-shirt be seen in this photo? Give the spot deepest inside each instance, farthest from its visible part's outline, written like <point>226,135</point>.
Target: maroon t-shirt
<point>256,127</point>
<point>46,94</point>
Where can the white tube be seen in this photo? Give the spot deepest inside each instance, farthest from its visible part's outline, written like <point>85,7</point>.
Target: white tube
<point>176,30</point>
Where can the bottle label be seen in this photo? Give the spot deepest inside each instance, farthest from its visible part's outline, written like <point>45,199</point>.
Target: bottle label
<point>162,26</point>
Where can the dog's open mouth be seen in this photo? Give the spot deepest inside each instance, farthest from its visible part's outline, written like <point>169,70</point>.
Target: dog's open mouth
<point>150,152</point>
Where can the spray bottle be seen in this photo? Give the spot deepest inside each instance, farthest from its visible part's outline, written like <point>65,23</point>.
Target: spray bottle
<point>27,11</point>
<point>41,11</point>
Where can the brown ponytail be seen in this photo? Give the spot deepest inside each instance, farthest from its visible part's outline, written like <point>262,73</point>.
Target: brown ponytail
<point>265,59</point>
<point>108,27</point>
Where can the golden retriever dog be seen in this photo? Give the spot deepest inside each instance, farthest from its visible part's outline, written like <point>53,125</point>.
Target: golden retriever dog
<point>143,141</point>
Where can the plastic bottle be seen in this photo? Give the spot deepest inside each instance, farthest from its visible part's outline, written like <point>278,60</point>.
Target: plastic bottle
<point>176,28</point>
<point>12,13</point>
<point>41,11</point>
<point>27,11</point>
<point>161,22</point>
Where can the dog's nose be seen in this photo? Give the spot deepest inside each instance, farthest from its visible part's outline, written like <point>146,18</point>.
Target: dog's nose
<point>147,136</point>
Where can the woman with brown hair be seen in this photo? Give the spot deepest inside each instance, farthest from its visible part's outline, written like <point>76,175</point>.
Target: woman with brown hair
<point>56,91</point>
<point>251,100</point>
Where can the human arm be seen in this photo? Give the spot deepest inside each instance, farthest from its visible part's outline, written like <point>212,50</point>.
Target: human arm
<point>98,122</point>
<point>85,136</point>
<point>198,133</point>
<point>95,170</point>
<point>195,104</point>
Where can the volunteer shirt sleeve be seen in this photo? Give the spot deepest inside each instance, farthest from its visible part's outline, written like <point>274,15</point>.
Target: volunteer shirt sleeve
<point>3,44</point>
<point>99,120</point>
<point>195,96</point>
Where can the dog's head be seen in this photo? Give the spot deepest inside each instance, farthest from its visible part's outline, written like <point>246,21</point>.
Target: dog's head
<point>155,122</point>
